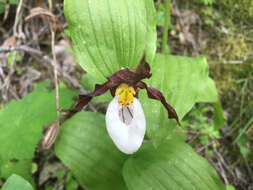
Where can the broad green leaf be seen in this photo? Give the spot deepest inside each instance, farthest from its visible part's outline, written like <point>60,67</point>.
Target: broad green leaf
<point>172,166</point>
<point>16,182</point>
<point>20,167</point>
<point>84,146</point>
<point>183,81</point>
<point>230,187</point>
<point>21,124</point>
<point>111,34</point>
<point>151,37</point>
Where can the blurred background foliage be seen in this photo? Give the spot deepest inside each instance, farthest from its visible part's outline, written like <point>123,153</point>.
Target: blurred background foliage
<point>221,30</point>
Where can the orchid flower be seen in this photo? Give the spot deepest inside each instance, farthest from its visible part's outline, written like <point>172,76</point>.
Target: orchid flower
<point>125,120</point>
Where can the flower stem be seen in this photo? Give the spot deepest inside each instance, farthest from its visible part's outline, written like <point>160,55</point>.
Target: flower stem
<point>165,46</point>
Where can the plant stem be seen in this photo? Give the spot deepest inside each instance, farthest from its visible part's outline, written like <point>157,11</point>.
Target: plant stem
<point>165,49</point>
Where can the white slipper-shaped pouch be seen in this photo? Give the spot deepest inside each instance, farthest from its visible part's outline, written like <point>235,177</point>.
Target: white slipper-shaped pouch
<point>126,125</point>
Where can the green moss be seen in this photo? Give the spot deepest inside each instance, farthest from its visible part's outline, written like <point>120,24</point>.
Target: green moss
<point>239,11</point>
<point>227,60</point>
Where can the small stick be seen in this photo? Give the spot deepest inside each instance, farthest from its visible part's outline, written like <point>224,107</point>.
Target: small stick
<point>55,72</point>
<point>32,51</point>
<point>37,53</point>
<point>52,23</point>
<point>17,18</point>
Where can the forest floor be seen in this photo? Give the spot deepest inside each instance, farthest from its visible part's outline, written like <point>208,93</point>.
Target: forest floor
<point>196,29</point>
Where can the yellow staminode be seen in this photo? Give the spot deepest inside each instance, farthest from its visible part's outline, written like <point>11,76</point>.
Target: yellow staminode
<point>126,94</point>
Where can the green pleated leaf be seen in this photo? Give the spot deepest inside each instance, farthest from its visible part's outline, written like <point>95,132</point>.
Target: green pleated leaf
<point>183,81</point>
<point>16,182</point>
<point>84,146</point>
<point>21,125</point>
<point>172,166</point>
<point>110,34</point>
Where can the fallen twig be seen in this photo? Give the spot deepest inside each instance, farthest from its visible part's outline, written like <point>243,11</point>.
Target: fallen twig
<point>18,21</point>
<point>27,49</point>
<point>223,163</point>
<point>40,55</point>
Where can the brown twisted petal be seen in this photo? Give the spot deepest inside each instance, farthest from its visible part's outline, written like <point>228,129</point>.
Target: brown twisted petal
<point>133,78</point>
<point>157,95</point>
<point>85,99</point>
<point>128,76</point>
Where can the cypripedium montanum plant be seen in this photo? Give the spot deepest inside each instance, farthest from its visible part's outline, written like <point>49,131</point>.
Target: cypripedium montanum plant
<point>125,120</point>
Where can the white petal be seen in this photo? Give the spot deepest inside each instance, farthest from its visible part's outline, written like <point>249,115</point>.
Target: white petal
<point>127,137</point>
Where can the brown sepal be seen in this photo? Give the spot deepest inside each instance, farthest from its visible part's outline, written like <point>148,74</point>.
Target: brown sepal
<point>128,76</point>
<point>85,99</point>
<point>133,78</point>
<point>157,95</point>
